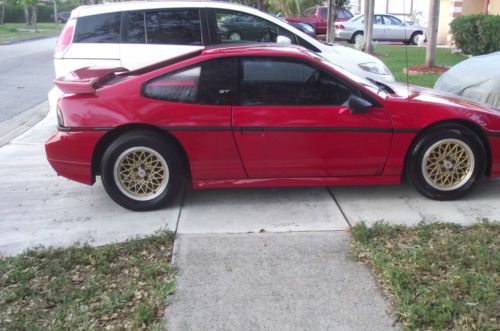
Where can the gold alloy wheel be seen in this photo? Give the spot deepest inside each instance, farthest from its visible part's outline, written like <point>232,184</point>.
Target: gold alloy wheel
<point>448,164</point>
<point>141,173</point>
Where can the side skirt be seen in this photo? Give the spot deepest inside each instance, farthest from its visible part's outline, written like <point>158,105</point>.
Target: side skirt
<point>284,182</point>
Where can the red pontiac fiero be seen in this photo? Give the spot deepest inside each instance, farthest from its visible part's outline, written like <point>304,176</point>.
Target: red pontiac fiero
<point>264,115</point>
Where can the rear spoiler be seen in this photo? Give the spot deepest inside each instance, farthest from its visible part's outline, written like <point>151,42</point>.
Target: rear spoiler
<point>86,80</point>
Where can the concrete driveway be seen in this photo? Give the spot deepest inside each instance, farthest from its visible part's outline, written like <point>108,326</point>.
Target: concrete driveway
<point>259,259</point>
<point>39,208</point>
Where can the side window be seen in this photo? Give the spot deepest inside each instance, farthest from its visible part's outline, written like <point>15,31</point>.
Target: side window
<point>102,28</point>
<point>323,13</point>
<point>136,34</point>
<point>389,20</point>
<point>284,82</point>
<point>173,27</point>
<point>212,82</point>
<point>178,87</point>
<point>378,19</point>
<point>236,27</point>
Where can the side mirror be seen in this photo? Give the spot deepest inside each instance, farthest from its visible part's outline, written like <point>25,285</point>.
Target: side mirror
<point>358,105</point>
<point>283,40</point>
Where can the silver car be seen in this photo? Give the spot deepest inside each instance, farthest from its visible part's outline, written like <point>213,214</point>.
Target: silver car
<point>385,27</point>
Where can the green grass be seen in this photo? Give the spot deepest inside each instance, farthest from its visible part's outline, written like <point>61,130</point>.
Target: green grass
<point>120,286</point>
<point>394,56</point>
<point>438,276</point>
<point>9,33</point>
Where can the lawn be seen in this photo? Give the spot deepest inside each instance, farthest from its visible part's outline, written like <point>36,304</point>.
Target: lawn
<point>9,33</point>
<point>120,286</point>
<point>438,276</point>
<point>394,56</point>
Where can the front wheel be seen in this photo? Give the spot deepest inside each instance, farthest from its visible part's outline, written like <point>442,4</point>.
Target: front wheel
<point>445,164</point>
<point>142,171</point>
<point>414,38</point>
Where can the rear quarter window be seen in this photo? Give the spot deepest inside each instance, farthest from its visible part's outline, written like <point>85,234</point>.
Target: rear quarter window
<point>102,28</point>
<point>164,27</point>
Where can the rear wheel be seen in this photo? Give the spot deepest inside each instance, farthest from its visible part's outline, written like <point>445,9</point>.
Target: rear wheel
<point>445,164</point>
<point>142,171</point>
<point>357,38</point>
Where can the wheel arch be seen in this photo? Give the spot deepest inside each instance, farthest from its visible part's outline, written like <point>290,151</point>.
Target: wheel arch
<point>110,136</point>
<point>454,123</point>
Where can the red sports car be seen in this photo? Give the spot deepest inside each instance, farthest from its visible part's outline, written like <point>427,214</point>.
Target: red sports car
<point>264,115</point>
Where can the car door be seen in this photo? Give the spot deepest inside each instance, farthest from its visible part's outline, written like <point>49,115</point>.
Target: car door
<point>394,29</point>
<point>379,28</point>
<point>194,105</point>
<point>293,121</point>
<point>150,36</point>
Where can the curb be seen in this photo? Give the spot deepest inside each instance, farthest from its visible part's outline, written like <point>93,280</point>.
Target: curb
<point>21,123</point>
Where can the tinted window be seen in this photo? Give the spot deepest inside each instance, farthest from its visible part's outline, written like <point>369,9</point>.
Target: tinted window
<point>236,27</point>
<point>282,82</point>
<point>173,26</point>
<point>212,82</point>
<point>136,33</point>
<point>179,87</point>
<point>323,12</point>
<point>103,28</point>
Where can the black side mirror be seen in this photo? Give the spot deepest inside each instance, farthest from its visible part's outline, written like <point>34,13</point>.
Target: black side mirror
<point>358,105</point>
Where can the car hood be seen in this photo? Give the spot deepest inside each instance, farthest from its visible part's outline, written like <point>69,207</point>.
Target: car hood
<point>349,58</point>
<point>418,93</point>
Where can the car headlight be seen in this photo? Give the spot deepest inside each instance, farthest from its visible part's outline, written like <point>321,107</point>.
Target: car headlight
<point>375,67</point>
<point>307,28</point>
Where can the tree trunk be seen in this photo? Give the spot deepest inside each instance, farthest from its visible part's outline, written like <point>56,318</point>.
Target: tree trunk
<point>368,28</point>
<point>26,15</point>
<point>330,28</point>
<point>432,29</point>
<point>2,14</point>
<point>34,13</point>
<point>56,20</point>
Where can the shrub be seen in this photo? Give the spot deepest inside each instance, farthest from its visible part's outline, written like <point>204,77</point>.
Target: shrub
<point>476,34</point>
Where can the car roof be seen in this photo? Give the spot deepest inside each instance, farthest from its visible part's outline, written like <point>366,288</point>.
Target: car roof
<point>256,48</point>
<point>112,7</point>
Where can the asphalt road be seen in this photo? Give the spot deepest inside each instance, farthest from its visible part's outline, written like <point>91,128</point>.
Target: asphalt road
<point>26,76</point>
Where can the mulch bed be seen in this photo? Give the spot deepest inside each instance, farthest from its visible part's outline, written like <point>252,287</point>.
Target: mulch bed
<point>418,70</point>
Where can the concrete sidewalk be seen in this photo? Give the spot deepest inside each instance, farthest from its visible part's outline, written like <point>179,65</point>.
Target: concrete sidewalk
<point>248,259</point>
<point>273,281</point>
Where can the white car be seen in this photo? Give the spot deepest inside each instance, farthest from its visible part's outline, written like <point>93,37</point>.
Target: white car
<point>135,34</point>
<point>385,28</point>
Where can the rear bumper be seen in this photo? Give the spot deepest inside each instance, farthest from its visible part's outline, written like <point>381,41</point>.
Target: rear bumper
<point>70,154</point>
<point>343,35</point>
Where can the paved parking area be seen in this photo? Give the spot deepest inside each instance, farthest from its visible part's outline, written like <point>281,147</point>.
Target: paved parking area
<point>39,208</point>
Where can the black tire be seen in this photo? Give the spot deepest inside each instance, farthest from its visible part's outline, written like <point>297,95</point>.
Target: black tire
<point>413,38</point>
<point>165,155</point>
<point>353,38</point>
<point>454,135</point>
